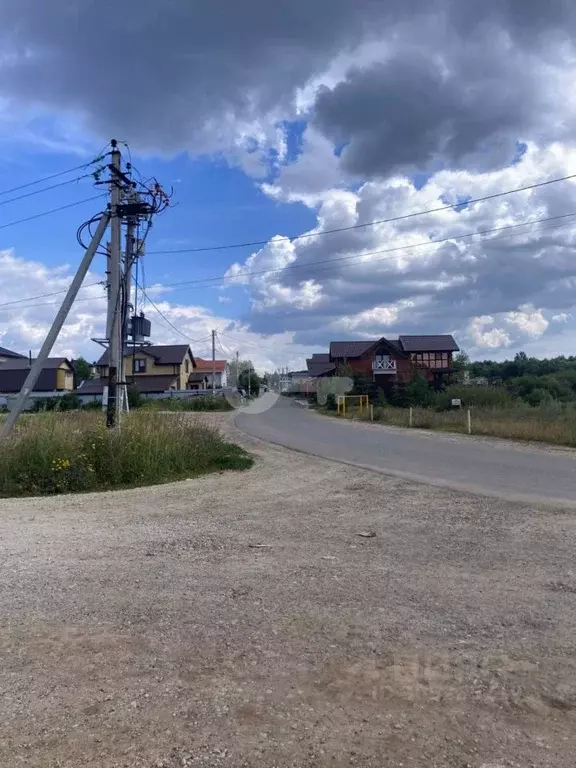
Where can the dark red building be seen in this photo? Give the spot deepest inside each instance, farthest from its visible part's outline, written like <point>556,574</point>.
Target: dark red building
<point>389,361</point>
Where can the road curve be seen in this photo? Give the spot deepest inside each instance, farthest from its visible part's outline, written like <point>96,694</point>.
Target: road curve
<point>491,467</point>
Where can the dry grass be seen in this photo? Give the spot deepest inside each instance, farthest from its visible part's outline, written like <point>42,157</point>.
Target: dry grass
<point>59,453</point>
<point>554,424</point>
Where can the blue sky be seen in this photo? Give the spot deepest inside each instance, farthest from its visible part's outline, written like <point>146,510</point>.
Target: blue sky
<point>214,204</point>
<point>276,119</point>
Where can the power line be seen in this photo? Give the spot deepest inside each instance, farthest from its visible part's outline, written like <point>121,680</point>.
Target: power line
<point>53,176</point>
<point>159,311</point>
<point>353,256</point>
<point>43,295</point>
<point>53,303</point>
<point>200,281</point>
<point>461,204</point>
<point>45,189</point>
<point>53,210</point>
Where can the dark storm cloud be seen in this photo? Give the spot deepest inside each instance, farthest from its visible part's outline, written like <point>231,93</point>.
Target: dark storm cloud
<point>158,72</point>
<point>458,91</point>
<point>455,78</point>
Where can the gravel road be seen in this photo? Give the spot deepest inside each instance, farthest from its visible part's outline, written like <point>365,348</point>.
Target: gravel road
<point>300,614</point>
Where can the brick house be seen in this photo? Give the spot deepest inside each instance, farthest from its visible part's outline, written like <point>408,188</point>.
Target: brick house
<point>389,361</point>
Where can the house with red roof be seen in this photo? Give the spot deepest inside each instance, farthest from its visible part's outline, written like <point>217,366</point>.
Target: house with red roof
<point>201,376</point>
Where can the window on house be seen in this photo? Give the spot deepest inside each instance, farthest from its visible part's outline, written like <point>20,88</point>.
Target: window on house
<point>187,367</point>
<point>139,366</point>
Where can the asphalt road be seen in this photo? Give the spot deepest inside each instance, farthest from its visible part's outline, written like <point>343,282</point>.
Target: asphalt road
<point>480,465</point>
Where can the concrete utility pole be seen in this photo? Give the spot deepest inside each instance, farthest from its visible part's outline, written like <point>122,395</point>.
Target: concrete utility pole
<point>237,369</point>
<point>129,254</point>
<point>59,321</point>
<point>213,363</point>
<point>114,325</point>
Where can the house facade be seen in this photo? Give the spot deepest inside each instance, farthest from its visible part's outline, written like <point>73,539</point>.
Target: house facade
<point>389,361</point>
<point>151,370</point>
<point>56,377</point>
<point>203,370</point>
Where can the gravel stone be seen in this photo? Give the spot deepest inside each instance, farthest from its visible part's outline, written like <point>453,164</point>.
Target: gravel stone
<point>140,629</point>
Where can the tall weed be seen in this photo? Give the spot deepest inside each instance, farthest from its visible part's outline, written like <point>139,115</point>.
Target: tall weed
<point>59,453</point>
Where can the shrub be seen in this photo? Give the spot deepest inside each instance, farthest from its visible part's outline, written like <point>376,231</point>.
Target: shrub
<point>67,402</point>
<point>135,399</point>
<point>195,403</point>
<point>331,402</point>
<point>418,390</point>
<point>93,405</point>
<point>58,453</point>
<point>495,397</point>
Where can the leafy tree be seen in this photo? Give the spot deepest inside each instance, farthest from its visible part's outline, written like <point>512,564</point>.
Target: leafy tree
<point>344,369</point>
<point>250,382</point>
<point>399,396</point>
<point>235,372</point>
<point>363,385</point>
<point>538,397</point>
<point>418,390</point>
<point>461,361</point>
<point>83,370</point>
<point>331,402</point>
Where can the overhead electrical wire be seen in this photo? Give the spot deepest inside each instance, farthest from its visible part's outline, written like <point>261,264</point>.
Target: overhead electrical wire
<point>54,303</point>
<point>53,176</point>
<point>45,189</point>
<point>188,285</point>
<point>201,282</point>
<point>162,315</point>
<point>461,204</point>
<point>53,210</point>
<point>44,295</point>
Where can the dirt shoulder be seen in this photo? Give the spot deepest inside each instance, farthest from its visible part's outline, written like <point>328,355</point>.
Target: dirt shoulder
<point>240,619</point>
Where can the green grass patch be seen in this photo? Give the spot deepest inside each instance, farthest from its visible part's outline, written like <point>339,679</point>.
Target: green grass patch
<point>188,404</point>
<point>74,452</point>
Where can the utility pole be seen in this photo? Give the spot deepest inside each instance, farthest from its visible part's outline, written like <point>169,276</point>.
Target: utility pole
<point>213,363</point>
<point>237,370</point>
<point>249,381</point>
<point>128,263</point>
<point>114,324</point>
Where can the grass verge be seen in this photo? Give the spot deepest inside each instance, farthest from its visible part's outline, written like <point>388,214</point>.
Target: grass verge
<point>555,424</point>
<point>188,404</point>
<point>64,453</point>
